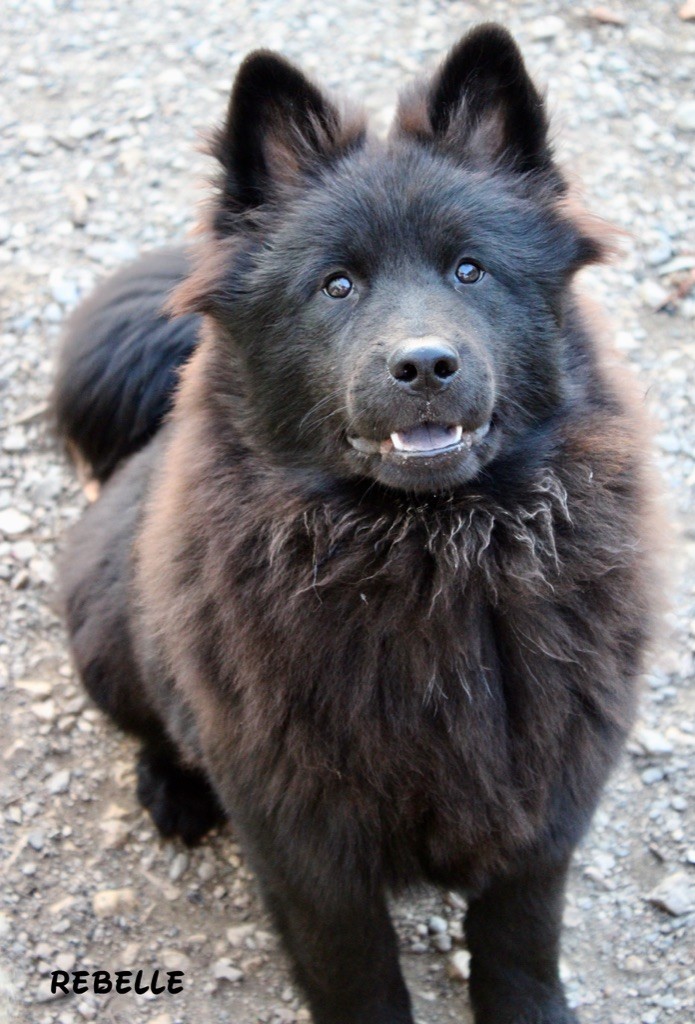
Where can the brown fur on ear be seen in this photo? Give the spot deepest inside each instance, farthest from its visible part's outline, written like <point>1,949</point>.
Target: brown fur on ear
<point>481,107</point>
<point>197,292</point>
<point>292,151</point>
<point>279,125</point>
<point>412,118</point>
<point>603,241</point>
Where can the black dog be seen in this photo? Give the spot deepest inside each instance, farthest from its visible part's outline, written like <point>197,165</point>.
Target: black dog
<point>378,589</point>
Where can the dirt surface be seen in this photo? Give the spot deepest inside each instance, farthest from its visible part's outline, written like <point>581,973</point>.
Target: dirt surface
<point>102,102</point>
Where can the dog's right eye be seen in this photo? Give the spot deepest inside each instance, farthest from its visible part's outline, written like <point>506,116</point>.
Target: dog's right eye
<point>338,287</point>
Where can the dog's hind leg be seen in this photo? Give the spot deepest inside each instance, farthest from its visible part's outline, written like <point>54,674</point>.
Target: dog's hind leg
<point>179,798</point>
<point>98,601</point>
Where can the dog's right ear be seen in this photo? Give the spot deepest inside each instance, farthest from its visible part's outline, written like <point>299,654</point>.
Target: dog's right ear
<point>280,128</point>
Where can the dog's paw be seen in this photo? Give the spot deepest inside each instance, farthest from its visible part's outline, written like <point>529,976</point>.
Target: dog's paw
<point>180,800</point>
<point>516,1008</point>
<point>537,1013</point>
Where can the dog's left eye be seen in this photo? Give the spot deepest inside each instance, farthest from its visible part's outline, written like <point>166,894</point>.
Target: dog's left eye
<point>338,287</point>
<point>468,272</point>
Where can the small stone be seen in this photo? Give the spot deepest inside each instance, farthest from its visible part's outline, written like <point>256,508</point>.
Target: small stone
<point>81,128</point>
<point>178,866</point>
<point>442,942</point>
<point>113,901</point>
<point>546,28</point>
<point>44,994</point>
<point>161,1018</point>
<point>65,961</point>
<point>206,871</point>
<point>675,895</point>
<point>13,523</point>
<point>224,970</point>
<point>651,775</point>
<point>79,207</point>
<point>653,295</point>
<point>15,440</point>
<point>436,925</point>
<point>44,710</point>
<point>36,839</point>
<point>115,834</point>
<point>684,118</point>
<point>237,935</point>
<point>459,966</point>
<point>652,742</point>
<point>455,900</point>
<point>175,960</point>
<point>687,11</point>
<point>59,782</point>
<point>606,16</point>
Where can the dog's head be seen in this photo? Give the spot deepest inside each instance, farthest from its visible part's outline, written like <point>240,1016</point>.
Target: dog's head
<point>394,310</point>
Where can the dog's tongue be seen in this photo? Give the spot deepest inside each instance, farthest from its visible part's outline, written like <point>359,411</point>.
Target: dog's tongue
<point>426,437</point>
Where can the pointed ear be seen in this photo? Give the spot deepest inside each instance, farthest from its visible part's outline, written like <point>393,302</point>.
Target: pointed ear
<point>279,127</point>
<point>481,106</point>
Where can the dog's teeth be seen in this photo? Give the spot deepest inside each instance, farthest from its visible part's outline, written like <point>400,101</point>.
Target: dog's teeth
<point>429,437</point>
<point>363,444</point>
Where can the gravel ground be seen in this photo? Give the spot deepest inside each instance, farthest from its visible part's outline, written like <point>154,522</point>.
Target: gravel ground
<point>98,128</point>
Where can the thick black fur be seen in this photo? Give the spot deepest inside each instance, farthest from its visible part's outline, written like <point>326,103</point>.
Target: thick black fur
<point>386,668</point>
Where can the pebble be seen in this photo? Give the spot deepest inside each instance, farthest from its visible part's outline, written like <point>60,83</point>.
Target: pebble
<point>684,118</point>
<point>114,834</point>
<point>175,960</point>
<point>224,970</point>
<point>109,902</point>
<point>237,935</point>
<point>653,294</point>
<point>543,29</point>
<point>13,522</point>
<point>652,742</point>
<point>442,942</point>
<point>36,839</point>
<point>178,866</point>
<point>459,965</point>
<point>65,961</point>
<point>45,710</point>
<point>58,782</point>
<point>675,895</point>
<point>607,15</point>
<point>81,128</point>
<point>436,925</point>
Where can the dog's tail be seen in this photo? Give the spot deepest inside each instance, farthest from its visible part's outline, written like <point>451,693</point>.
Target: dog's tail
<point>118,366</point>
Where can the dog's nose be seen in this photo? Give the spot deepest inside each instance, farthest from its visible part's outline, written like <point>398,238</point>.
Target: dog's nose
<point>424,364</point>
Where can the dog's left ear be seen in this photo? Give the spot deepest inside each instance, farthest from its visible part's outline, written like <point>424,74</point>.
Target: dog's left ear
<point>280,127</point>
<point>481,107</point>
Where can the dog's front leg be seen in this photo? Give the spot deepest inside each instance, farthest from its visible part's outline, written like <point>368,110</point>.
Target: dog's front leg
<point>513,932</point>
<point>342,944</point>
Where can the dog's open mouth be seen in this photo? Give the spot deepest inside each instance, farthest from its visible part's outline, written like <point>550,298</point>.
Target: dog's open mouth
<point>425,439</point>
